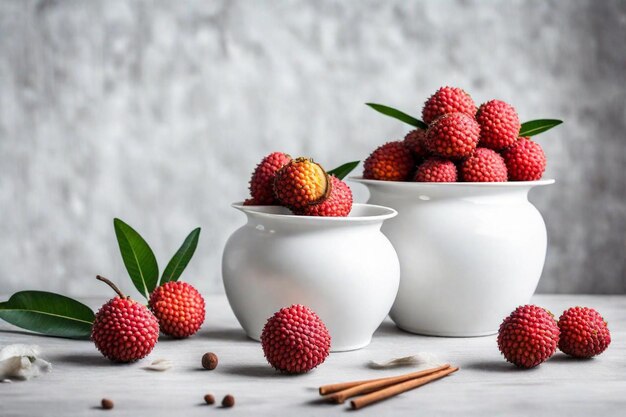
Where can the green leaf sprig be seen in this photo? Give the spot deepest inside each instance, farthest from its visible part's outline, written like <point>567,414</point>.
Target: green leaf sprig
<point>181,258</point>
<point>141,263</point>
<point>397,114</point>
<point>138,258</point>
<point>341,171</point>
<point>535,127</point>
<point>48,313</point>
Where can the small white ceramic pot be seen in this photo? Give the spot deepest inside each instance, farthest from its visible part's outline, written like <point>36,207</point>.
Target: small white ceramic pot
<point>470,253</point>
<point>343,268</point>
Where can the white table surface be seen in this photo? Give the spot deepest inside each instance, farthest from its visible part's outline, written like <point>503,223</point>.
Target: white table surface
<point>485,384</point>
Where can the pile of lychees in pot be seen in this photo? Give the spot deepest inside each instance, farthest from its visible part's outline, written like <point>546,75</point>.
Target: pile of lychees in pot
<point>301,185</point>
<point>458,142</point>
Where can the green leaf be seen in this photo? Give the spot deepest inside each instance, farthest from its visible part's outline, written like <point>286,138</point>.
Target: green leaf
<point>181,258</point>
<point>397,114</point>
<point>48,313</point>
<point>535,127</point>
<point>343,170</point>
<point>138,258</point>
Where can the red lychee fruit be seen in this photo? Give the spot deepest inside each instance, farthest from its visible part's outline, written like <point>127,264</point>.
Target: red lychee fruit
<point>179,307</point>
<point>338,203</point>
<point>525,160</point>
<point>584,333</point>
<point>529,336</point>
<point>262,181</point>
<point>415,140</point>
<point>390,162</point>
<point>448,100</point>
<point>484,165</point>
<point>300,183</point>
<point>436,170</point>
<point>499,125</point>
<point>295,340</point>
<point>251,202</point>
<point>124,330</point>
<point>453,135</point>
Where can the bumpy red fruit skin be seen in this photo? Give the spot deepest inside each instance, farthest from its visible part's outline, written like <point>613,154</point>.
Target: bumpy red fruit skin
<point>300,183</point>
<point>584,333</point>
<point>528,336</point>
<point>179,307</point>
<point>295,340</point>
<point>251,202</point>
<point>390,162</point>
<point>525,160</point>
<point>124,330</point>
<point>262,181</point>
<point>453,135</point>
<point>436,170</point>
<point>484,165</point>
<point>338,203</point>
<point>499,125</point>
<point>448,100</point>
<point>415,140</point>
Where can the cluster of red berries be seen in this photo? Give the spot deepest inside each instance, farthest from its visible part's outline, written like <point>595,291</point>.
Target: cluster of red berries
<point>301,185</point>
<point>460,142</point>
<point>125,330</point>
<point>531,335</point>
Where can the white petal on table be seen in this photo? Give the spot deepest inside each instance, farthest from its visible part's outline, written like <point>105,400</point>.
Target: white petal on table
<point>159,365</point>
<point>19,361</point>
<point>424,359</point>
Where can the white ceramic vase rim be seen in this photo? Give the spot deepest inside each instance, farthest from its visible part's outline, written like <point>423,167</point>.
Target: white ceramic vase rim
<point>413,184</point>
<point>361,213</point>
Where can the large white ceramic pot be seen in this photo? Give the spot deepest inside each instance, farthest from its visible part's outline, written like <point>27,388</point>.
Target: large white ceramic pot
<point>470,253</point>
<point>343,268</point>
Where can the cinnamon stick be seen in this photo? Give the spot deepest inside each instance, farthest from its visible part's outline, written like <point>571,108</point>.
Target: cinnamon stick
<point>373,385</point>
<point>394,390</point>
<point>340,386</point>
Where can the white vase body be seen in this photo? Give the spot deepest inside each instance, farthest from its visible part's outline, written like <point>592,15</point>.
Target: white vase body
<point>344,269</point>
<point>470,253</point>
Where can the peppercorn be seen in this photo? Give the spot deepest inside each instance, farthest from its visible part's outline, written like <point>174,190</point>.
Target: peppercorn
<point>209,361</point>
<point>228,401</point>
<point>106,404</point>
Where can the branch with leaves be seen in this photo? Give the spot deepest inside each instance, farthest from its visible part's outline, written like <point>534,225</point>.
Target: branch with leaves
<point>57,315</point>
<point>141,263</point>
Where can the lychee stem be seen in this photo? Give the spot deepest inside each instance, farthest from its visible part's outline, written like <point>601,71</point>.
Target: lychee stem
<point>110,284</point>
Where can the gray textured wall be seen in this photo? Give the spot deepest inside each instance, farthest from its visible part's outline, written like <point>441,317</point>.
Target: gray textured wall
<point>156,112</point>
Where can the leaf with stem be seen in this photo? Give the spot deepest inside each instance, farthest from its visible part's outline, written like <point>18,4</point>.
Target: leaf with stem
<point>535,127</point>
<point>397,114</point>
<point>343,170</point>
<point>181,258</point>
<point>138,258</point>
<point>48,313</point>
